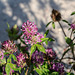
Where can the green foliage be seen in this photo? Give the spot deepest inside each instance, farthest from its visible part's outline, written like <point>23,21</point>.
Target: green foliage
<point>46,33</point>
<point>13,56</point>
<point>48,23</point>
<point>7,69</point>
<point>42,70</point>
<point>73,13</point>
<point>70,73</point>
<point>54,73</point>
<point>3,61</point>
<point>40,48</point>
<point>53,25</point>
<point>33,48</point>
<point>66,22</point>
<point>68,41</point>
<point>46,40</point>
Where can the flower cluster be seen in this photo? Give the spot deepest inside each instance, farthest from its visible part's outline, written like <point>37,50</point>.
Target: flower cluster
<point>50,54</point>
<point>9,46</point>
<point>37,58</point>
<point>59,67</point>
<point>31,34</point>
<point>21,60</point>
<point>73,26</point>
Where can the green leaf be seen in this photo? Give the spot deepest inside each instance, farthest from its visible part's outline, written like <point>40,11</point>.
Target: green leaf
<point>8,60</point>
<point>69,28</point>
<point>46,33</point>
<point>44,39</point>
<point>7,69</point>
<point>33,48</point>
<point>38,71</point>
<point>13,66</point>
<point>6,53</point>
<point>48,23</point>
<point>68,41</point>
<point>46,42</point>
<point>73,13</point>
<point>16,69</point>
<point>70,74</point>
<point>50,39</point>
<point>53,25</point>
<point>3,61</point>
<point>14,57</point>
<point>41,48</point>
<point>54,73</point>
<point>66,22</point>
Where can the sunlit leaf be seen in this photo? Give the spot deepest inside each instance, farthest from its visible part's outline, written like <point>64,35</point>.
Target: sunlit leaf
<point>7,69</point>
<point>53,25</point>
<point>46,33</point>
<point>14,57</point>
<point>33,48</point>
<point>54,73</point>
<point>41,48</point>
<point>48,23</point>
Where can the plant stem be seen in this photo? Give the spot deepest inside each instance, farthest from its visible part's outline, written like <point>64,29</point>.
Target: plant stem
<point>62,29</point>
<point>62,55</point>
<point>67,58</point>
<point>71,33</point>
<point>10,68</point>
<point>26,71</point>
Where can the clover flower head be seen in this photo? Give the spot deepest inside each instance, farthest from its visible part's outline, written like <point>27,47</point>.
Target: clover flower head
<point>9,46</point>
<point>50,53</point>
<point>20,60</point>
<point>59,67</point>
<point>37,58</point>
<point>31,34</point>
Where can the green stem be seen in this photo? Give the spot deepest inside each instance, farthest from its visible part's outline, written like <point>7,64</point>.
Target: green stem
<point>62,29</point>
<point>71,34</point>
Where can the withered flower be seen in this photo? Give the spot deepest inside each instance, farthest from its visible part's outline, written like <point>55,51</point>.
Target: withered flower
<point>56,16</point>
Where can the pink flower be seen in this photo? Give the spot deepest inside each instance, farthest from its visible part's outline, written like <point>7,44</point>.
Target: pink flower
<point>31,34</point>
<point>9,46</point>
<point>73,26</point>
<point>21,60</point>
<point>36,38</point>
<point>29,29</point>
<point>50,53</point>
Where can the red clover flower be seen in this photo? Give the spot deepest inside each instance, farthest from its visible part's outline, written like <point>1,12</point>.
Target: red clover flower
<point>21,60</point>
<point>31,35</point>
<point>9,46</point>
<point>37,58</point>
